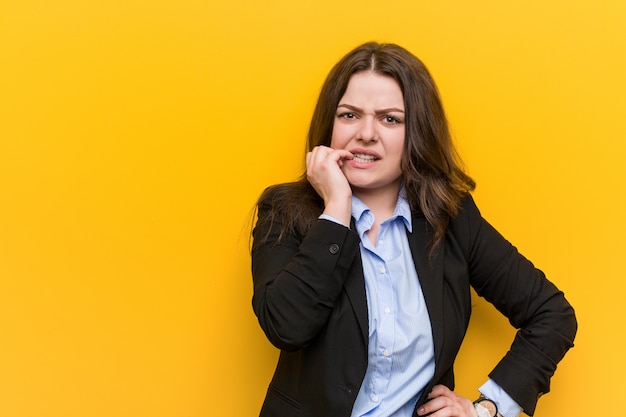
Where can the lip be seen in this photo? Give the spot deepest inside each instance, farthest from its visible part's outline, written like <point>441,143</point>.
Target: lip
<point>366,152</point>
<point>357,162</point>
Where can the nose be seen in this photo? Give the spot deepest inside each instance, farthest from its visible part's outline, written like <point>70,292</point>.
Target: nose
<point>367,130</point>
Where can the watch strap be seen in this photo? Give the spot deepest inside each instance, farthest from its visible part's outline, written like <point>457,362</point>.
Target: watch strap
<point>483,404</point>
<point>481,411</point>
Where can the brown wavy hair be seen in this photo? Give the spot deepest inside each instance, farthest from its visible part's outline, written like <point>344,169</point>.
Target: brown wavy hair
<point>432,172</point>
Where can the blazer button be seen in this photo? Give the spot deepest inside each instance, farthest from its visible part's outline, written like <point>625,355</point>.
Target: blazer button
<point>334,248</point>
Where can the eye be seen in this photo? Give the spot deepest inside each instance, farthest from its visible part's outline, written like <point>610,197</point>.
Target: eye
<point>391,120</point>
<point>346,115</point>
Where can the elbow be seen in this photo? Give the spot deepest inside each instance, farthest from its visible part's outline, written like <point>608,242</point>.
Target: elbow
<point>284,336</point>
<point>564,327</point>
<point>571,324</point>
<point>563,316</point>
<point>564,320</point>
<point>287,344</point>
<point>286,329</point>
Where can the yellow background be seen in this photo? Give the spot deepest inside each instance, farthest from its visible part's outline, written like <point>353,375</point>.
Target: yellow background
<point>135,137</point>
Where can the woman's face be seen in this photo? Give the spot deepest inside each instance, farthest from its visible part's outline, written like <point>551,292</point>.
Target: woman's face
<point>370,123</point>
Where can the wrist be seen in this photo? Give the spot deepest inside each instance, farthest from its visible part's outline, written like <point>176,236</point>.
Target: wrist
<point>340,210</point>
<point>486,408</point>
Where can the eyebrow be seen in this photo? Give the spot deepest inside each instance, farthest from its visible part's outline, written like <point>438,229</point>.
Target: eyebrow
<point>381,111</point>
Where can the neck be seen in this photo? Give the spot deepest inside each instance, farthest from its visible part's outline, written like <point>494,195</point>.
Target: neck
<point>382,203</point>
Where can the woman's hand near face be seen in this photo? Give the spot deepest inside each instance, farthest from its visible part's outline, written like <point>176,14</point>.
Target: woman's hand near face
<point>445,403</point>
<point>323,170</point>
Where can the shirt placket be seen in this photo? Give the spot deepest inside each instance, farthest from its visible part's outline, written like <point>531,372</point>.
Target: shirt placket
<point>386,321</point>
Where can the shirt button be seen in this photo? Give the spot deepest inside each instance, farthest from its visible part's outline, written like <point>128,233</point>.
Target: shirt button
<point>387,310</point>
<point>334,248</point>
<point>375,398</point>
<point>382,270</point>
<point>386,353</point>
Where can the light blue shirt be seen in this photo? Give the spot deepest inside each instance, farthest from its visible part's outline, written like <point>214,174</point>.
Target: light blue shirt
<point>400,350</point>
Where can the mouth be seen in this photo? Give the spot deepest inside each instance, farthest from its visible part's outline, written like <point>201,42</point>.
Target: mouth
<point>364,158</point>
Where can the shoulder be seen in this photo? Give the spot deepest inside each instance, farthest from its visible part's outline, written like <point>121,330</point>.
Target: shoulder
<point>468,224</point>
<point>296,193</point>
<point>276,192</point>
<point>468,213</point>
<point>287,208</point>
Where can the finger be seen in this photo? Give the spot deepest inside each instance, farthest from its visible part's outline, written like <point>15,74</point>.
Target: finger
<point>439,390</point>
<point>335,154</point>
<point>442,398</point>
<point>318,153</point>
<point>439,398</point>
<point>340,154</point>
<point>322,155</point>
<point>434,405</point>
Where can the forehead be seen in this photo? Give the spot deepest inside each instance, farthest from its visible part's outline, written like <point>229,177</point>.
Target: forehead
<point>373,89</point>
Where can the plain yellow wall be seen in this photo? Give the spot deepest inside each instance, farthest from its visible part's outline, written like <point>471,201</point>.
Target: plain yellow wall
<point>136,135</point>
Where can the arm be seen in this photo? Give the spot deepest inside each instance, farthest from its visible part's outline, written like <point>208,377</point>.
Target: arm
<point>298,280</point>
<point>546,321</point>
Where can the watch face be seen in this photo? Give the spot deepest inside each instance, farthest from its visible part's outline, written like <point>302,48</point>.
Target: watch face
<point>489,405</point>
<point>481,411</point>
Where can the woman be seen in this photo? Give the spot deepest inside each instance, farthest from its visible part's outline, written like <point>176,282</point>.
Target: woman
<point>362,269</point>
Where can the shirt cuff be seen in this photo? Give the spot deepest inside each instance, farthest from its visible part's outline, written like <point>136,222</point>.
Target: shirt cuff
<point>331,218</point>
<point>506,405</point>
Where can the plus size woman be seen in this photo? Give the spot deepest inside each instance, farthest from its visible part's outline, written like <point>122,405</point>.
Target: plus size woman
<point>362,269</point>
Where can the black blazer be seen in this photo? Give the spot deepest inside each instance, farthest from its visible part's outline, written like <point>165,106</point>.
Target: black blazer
<point>309,297</point>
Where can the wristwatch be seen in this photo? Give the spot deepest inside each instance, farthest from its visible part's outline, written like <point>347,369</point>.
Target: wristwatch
<point>486,408</point>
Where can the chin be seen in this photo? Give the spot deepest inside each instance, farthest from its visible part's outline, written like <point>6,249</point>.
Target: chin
<point>360,185</point>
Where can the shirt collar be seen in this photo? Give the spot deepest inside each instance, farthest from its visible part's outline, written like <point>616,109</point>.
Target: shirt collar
<point>364,218</point>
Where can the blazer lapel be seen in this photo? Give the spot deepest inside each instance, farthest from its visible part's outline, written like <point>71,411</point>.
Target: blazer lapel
<point>355,290</point>
<point>430,274</point>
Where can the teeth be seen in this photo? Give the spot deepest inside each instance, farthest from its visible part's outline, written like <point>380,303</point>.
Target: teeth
<point>361,157</point>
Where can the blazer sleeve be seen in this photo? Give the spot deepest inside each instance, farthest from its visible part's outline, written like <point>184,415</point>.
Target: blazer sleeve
<point>545,320</point>
<point>297,279</point>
